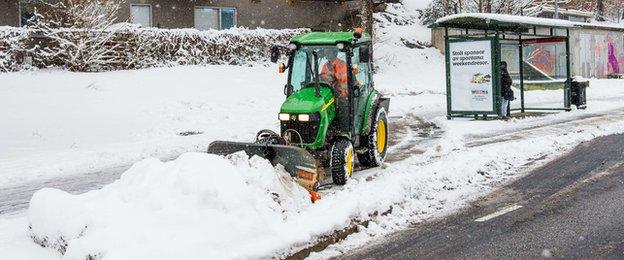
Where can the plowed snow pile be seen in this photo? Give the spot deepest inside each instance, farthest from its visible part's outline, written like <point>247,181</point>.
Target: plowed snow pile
<point>196,205</point>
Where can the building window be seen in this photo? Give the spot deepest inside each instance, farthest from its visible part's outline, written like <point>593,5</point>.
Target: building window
<point>228,18</point>
<point>207,18</point>
<point>26,11</point>
<point>141,14</point>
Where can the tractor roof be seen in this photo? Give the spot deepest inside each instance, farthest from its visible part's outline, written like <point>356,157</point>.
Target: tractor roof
<point>328,38</point>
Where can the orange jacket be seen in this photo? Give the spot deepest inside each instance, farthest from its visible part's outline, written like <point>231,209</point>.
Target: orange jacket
<point>339,72</point>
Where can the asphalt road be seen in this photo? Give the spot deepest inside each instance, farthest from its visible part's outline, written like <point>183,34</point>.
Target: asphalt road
<point>572,207</point>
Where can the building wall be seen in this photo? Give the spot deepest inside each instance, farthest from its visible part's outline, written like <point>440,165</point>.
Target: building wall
<point>271,14</point>
<point>9,13</point>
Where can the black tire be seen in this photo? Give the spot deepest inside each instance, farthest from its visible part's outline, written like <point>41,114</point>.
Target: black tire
<point>342,161</point>
<point>374,155</point>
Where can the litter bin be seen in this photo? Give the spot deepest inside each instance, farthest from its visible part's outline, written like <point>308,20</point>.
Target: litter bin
<point>579,90</point>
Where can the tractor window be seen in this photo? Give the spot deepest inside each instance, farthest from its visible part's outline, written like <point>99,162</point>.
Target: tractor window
<point>303,72</point>
<point>300,76</point>
<point>363,68</point>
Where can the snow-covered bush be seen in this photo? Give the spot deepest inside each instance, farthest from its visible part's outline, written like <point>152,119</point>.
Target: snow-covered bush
<point>124,46</point>
<point>11,45</point>
<point>77,34</point>
<point>159,47</point>
<point>82,35</point>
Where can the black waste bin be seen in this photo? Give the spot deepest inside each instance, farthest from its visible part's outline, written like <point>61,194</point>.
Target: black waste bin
<point>579,90</point>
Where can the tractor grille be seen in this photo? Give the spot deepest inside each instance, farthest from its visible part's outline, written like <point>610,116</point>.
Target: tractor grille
<point>307,130</point>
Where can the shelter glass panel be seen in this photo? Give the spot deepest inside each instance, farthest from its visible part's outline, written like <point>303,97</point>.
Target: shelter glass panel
<point>545,72</point>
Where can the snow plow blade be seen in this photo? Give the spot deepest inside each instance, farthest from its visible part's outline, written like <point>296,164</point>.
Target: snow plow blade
<point>298,162</point>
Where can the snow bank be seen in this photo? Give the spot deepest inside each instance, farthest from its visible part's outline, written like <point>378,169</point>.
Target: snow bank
<point>198,205</point>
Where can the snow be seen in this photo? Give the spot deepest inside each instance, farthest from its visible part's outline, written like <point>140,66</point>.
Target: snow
<point>505,18</point>
<point>59,123</point>
<point>200,199</point>
<point>204,206</point>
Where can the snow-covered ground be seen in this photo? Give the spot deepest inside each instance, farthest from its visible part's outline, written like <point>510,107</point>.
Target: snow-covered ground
<point>201,206</point>
<point>59,123</point>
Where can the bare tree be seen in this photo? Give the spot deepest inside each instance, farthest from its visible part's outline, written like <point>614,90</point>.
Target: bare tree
<point>440,8</point>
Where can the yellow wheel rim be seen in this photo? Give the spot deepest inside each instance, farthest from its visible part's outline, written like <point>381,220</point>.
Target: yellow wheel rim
<point>381,136</point>
<point>349,161</point>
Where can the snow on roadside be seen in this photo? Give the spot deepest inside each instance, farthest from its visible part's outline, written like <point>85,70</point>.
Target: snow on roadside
<point>197,205</point>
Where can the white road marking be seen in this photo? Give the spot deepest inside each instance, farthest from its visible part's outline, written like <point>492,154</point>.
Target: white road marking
<point>499,213</point>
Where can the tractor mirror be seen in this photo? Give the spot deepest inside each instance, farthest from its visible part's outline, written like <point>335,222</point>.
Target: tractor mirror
<point>275,54</point>
<point>288,89</point>
<point>364,53</point>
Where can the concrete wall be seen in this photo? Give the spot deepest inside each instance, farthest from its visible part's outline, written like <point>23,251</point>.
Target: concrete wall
<point>271,14</point>
<point>9,13</point>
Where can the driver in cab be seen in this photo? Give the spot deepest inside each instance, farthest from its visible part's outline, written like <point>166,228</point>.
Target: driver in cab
<point>334,72</point>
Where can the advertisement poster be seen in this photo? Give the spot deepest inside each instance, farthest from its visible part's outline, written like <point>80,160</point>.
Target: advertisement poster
<point>471,76</point>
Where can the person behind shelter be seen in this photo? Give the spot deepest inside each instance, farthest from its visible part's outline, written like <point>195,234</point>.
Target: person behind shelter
<point>506,92</point>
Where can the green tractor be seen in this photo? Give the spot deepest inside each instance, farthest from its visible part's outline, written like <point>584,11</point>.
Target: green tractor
<point>332,112</point>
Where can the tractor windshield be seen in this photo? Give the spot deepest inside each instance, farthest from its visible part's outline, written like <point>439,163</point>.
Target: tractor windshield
<point>330,60</point>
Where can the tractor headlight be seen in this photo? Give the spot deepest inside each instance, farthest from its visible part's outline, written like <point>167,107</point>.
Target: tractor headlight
<point>292,46</point>
<point>284,117</point>
<point>304,117</point>
<point>341,46</point>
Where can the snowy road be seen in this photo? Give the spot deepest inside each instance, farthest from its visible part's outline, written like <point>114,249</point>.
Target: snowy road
<point>570,208</point>
<point>412,136</point>
<point>15,199</point>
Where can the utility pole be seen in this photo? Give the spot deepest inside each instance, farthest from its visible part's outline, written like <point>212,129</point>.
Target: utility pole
<point>556,9</point>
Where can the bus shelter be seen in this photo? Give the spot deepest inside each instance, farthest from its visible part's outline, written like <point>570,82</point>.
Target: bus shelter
<point>537,53</point>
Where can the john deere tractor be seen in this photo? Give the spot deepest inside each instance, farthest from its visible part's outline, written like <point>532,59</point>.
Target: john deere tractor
<point>332,112</point>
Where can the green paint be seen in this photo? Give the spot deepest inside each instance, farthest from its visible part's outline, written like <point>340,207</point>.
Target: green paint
<point>329,38</point>
<point>305,101</point>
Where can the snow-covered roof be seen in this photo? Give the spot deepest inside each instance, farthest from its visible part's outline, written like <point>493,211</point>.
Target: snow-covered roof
<point>488,21</point>
<point>601,26</point>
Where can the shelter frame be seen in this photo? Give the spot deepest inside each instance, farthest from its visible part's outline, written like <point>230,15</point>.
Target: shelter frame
<point>477,27</point>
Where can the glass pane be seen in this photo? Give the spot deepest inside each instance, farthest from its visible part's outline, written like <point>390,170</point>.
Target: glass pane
<point>331,73</point>
<point>206,18</point>
<point>228,18</point>
<point>141,14</point>
<point>298,78</point>
<point>544,66</point>
<point>510,54</point>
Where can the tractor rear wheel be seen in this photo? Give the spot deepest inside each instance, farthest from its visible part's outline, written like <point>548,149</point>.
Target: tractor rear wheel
<point>342,161</point>
<point>376,142</point>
